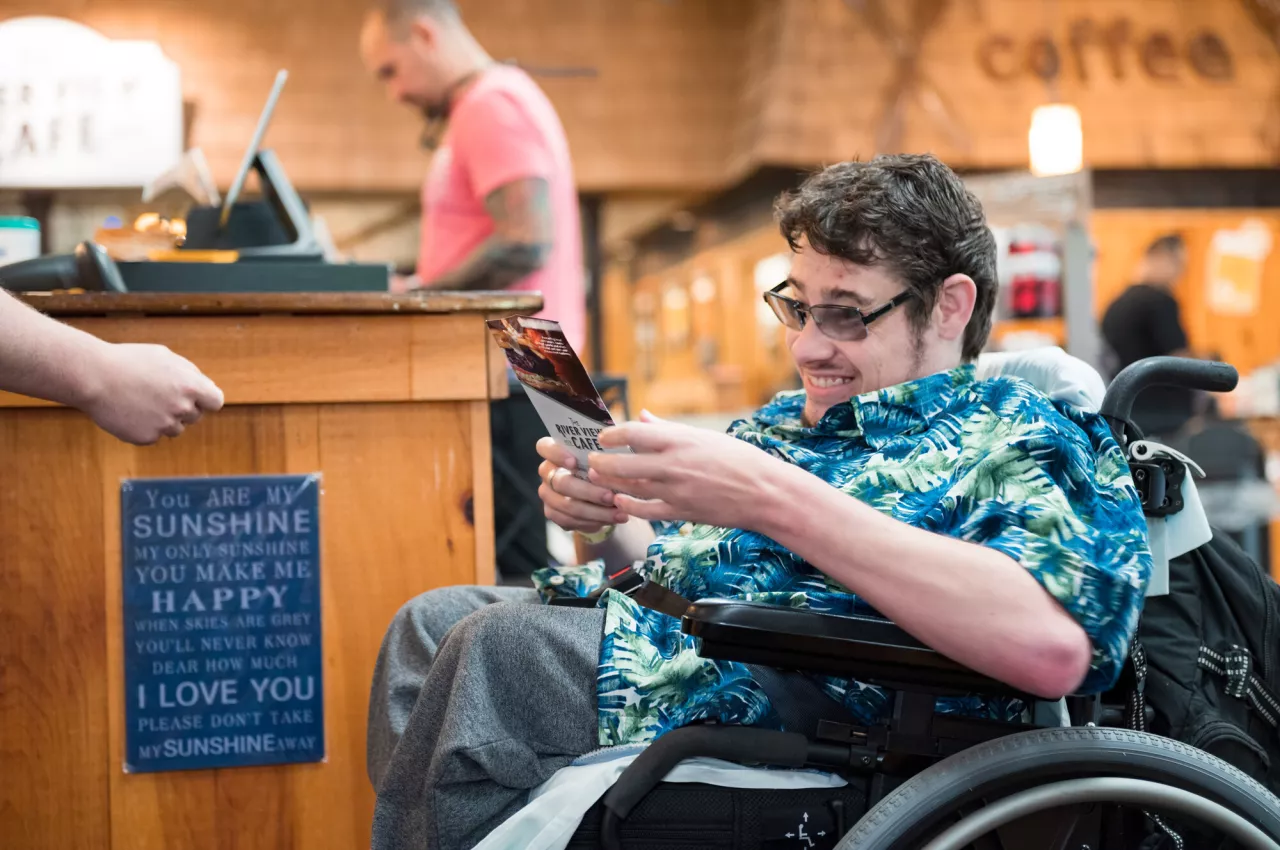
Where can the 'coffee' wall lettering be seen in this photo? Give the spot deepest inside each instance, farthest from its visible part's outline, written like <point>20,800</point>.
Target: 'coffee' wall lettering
<point>1157,53</point>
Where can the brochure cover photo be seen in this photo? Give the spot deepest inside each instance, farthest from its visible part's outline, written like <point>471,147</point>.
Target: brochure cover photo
<point>556,382</point>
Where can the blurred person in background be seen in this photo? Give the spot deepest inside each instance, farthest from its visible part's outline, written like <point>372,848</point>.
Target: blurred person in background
<point>1146,321</point>
<point>499,206</point>
<point>499,211</point>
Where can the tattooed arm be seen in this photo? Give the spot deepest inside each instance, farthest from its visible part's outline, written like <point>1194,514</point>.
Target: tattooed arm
<point>521,241</point>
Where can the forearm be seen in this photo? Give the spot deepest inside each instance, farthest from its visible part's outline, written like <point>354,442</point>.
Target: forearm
<point>44,358</point>
<point>496,263</point>
<point>628,543</point>
<point>969,602</point>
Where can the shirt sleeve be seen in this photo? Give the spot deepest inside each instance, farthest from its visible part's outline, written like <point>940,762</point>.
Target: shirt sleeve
<point>498,143</point>
<point>1059,500</point>
<point>1164,322</point>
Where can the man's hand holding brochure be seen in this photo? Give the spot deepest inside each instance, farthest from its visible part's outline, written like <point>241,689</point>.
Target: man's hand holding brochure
<point>644,470</point>
<point>556,382</point>
<point>561,391</point>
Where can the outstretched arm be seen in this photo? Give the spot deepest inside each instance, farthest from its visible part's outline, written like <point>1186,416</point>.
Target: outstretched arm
<point>137,393</point>
<point>1013,608</point>
<point>970,602</point>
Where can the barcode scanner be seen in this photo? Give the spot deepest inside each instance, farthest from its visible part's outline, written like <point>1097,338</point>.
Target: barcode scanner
<point>88,267</point>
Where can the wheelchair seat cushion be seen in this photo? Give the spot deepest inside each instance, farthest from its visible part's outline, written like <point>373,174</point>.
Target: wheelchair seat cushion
<point>557,807</point>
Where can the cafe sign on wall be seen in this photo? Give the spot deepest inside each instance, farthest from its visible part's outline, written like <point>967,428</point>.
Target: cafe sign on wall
<point>78,110</point>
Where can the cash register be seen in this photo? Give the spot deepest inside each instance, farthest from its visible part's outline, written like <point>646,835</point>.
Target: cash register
<point>262,245</point>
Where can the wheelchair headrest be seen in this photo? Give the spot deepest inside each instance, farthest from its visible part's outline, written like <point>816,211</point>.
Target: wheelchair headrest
<point>1052,371</point>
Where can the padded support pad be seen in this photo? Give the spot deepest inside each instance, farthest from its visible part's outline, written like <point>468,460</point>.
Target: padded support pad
<point>869,649</point>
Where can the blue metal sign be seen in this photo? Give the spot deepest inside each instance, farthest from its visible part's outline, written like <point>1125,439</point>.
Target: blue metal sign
<point>222,657</point>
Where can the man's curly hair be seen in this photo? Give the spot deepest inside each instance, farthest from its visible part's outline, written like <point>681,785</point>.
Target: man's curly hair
<point>908,213</point>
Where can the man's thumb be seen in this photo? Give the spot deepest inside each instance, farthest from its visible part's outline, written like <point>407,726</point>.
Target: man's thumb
<point>646,416</point>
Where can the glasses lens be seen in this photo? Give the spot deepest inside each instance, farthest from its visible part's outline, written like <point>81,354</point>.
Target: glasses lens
<point>786,310</point>
<point>843,323</point>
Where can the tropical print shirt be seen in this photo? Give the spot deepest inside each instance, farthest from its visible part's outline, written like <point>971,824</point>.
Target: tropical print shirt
<point>993,462</point>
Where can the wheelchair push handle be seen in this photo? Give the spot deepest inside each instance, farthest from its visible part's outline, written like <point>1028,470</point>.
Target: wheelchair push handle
<point>1208,375</point>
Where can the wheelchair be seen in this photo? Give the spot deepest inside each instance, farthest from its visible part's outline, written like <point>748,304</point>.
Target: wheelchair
<point>1076,776</point>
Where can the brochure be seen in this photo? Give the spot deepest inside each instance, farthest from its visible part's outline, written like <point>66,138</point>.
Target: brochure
<point>556,382</point>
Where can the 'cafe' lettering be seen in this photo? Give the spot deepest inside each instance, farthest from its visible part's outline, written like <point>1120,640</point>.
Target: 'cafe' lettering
<point>580,438</point>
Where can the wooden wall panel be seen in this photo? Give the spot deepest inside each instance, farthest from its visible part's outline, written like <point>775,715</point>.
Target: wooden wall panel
<point>657,114</point>
<point>386,468</point>
<point>691,95</point>
<point>188,809</point>
<point>53,663</point>
<point>756,86</point>
<point>837,73</point>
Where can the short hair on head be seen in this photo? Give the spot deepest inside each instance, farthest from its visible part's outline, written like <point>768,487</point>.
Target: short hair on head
<point>1167,244</point>
<point>398,13</point>
<point>909,213</point>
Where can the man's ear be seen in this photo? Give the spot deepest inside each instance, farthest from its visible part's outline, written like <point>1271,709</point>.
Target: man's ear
<point>956,298</point>
<point>422,30</point>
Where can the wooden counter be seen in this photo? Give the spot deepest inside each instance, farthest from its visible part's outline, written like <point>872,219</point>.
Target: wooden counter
<point>387,396</point>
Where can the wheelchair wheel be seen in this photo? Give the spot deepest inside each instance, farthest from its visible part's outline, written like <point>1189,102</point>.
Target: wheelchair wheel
<point>934,799</point>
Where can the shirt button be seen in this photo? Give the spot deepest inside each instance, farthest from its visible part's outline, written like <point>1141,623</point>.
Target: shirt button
<point>556,581</point>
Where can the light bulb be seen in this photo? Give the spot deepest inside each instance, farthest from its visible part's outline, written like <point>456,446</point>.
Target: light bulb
<point>1056,140</point>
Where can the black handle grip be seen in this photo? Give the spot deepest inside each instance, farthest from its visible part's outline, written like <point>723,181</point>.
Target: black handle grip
<point>41,274</point>
<point>89,267</point>
<point>97,270</point>
<point>1208,375</point>
<point>729,743</point>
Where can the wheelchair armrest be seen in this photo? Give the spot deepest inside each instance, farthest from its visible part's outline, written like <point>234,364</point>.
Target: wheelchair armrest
<point>870,649</point>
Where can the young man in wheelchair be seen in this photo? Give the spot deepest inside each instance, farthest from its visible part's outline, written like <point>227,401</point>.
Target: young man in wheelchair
<point>992,524</point>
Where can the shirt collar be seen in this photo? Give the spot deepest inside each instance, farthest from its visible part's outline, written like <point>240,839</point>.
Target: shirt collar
<point>908,408</point>
<point>878,416</point>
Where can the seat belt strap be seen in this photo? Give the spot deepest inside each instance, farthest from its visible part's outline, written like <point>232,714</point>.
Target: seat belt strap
<point>799,701</point>
<point>656,597</point>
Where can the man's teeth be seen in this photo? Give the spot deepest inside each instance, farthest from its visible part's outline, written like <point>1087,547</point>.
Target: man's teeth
<point>828,382</point>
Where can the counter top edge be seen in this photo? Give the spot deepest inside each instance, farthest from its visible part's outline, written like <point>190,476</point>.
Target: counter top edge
<point>284,303</point>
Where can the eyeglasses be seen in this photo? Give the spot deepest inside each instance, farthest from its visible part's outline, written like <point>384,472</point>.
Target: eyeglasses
<point>847,324</point>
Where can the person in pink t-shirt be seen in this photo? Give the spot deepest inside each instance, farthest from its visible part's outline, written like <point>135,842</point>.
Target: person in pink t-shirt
<point>500,208</point>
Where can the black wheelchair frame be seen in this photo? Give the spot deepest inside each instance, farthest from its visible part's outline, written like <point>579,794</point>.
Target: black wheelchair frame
<point>947,782</point>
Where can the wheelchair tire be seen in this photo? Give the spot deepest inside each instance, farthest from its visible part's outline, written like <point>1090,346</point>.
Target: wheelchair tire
<point>924,804</point>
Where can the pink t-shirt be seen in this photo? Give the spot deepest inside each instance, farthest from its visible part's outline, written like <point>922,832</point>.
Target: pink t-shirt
<point>503,128</point>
